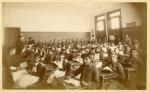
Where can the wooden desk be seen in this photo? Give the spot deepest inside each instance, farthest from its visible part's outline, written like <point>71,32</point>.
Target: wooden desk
<point>105,77</point>
<point>128,71</point>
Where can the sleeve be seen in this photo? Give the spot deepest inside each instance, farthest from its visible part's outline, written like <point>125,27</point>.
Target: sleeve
<point>121,71</point>
<point>95,74</point>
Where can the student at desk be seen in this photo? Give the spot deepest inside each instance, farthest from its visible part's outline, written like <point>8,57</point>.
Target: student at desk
<point>137,78</point>
<point>89,74</point>
<point>9,66</point>
<point>114,64</point>
<point>117,67</point>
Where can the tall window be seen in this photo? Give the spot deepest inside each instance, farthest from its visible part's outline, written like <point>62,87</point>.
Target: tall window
<point>100,23</point>
<point>108,23</point>
<point>114,19</point>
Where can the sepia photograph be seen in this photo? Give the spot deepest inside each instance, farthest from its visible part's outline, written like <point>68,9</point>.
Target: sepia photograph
<point>74,46</point>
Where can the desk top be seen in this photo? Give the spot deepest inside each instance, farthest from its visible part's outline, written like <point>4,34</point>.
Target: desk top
<point>109,75</point>
<point>129,69</point>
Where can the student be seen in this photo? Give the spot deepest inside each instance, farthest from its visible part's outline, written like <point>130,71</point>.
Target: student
<point>38,67</point>
<point>10,63</point>
<point>49,57</point>
<point>137,77</point>
<point>89,74</point>
<point>31,41</point>
<point>117,67</point>
<point>135,60</point>
<point>11,58</point>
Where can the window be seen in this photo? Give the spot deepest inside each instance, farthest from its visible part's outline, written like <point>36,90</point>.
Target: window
<point>114,23</point>
<point>100,26</point>
<point>100,23</point>
<point>114,18</point>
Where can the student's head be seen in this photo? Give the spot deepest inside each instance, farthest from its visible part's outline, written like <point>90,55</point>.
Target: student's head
<point>104,44</point>
<point>114,58</point>
<point>87,60</point>
<point>119,43</point>
<point>112,44</point>
<point>37,58</point>
<point>136,46</point>
<point>135,53</point>
<point>21,37</point>
<point>30,38</point>
<point>126,35</point>
<point>128,48</point>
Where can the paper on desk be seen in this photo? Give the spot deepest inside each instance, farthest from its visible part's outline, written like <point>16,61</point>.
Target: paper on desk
<point>18,74</point>
<point>58,73</point>
<point>98,64</point>
<point>73,81</point>
<point>27,80</point>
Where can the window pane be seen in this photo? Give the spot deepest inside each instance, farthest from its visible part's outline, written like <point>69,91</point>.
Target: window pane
<point>114,23</point>
<point>100,26</point>
<point>100,18</point>
<point>115,14</point>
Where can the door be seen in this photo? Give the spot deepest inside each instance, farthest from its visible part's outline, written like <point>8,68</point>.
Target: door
<point>10,36</point>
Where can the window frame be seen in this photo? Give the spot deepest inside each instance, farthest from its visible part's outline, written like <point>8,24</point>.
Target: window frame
<point>117,16</point>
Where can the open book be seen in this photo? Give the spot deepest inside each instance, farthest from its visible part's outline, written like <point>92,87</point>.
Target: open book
<point>107,69</point>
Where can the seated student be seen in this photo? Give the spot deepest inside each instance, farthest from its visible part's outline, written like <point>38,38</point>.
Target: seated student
<point>9,65</point>
<point>120,55</point>
<point>38,67</point>
<point>104,47</point>
<point>78,58</point>
<point>112,47</point>
<point>127,54</point>
<point>31,41</point>
<point>137,48</point>
<point>117,67</point>
<point>30,54</point>
<point>49,57</point>
<point>89,74</point>
<point>135,60</point>
<point>11,61</point>
<point>137,77</point>
<point>97,54</point>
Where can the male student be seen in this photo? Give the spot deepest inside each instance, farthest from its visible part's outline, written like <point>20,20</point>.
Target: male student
<point>137,77</point>
<point>31,41</point>
<point>116,66</point>
<point>89,73</point>
<point>10,63</point>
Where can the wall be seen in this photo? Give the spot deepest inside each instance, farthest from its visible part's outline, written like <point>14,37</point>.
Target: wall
<point>49,17</point>
<point>56,35</point>
<point>63,17</point>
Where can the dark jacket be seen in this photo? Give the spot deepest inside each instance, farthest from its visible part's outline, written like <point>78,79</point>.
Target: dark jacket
<point>89,73</point>
<point>19,46</point>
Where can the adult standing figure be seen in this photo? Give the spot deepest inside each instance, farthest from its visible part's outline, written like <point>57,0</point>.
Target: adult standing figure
<point>19,44</point>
